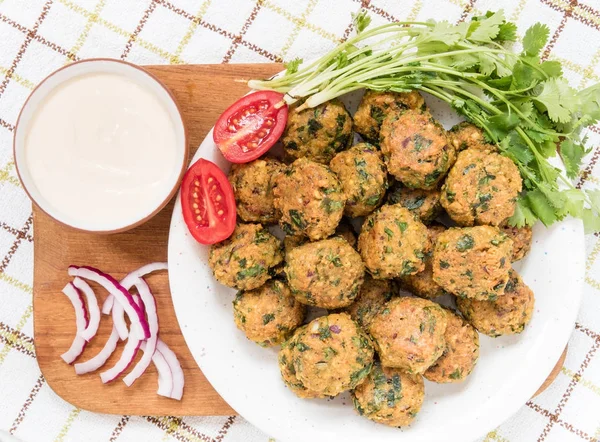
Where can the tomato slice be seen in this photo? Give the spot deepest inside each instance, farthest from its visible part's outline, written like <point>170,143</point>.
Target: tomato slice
<point>208,203</point>
<point>250,126</point>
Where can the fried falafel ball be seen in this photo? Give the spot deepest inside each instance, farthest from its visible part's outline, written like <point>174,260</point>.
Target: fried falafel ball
<point>461,353</point>
<point>326,273</point>
<point>363,176</point>
<point>472,262</point>
<point>309,198</point>
<point>389,396</point>
<point>481,188</point>
<point>422,284</point>
<point>268,314</point>
<point>331,355</point>
<point>372,296</point>
<point>507,315</point>
<point>375,106</point>
<point>288,372</point>
<point>466,135</point>
<point>253,189</point>
<point>393,243</point>
<point>423,203</point>
<point>415,148</point>
<point>247,258</point>
<point>409,333</point>
<point>521,237</point>
<point>318,133</point>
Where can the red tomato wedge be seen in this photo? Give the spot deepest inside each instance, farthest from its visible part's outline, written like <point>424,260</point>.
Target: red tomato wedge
<point>250,126</point>
<point>208,203</point>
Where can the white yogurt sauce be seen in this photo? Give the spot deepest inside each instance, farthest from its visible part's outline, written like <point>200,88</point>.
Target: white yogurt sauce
<point>101,148</point>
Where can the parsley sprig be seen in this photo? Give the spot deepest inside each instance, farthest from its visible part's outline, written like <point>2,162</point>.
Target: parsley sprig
<point>523,104</point>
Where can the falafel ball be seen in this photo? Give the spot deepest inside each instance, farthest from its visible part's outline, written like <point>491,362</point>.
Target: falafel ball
<point>507,315</point>
<point>472,262</point>
<point>375,106</point>
<point>288,372</point>
<point>332,354</point>
<point>253,189</point>
<point>393,242</point>
<point>309,198</point>
<point>372,296</point>
<point>466,135</point>
<point>318,133</point>
<point>326,273</point>
<point>363,176</point>
<point>389,396</point>
<point>409,333</point>
<point>521,237</point>
<point>461,353</point>
<point>423,203</point>
<point>268,314</point>
<point>422,284</point>
<point>416,149</point>
<point>481,188</point>
<point>246,259</point>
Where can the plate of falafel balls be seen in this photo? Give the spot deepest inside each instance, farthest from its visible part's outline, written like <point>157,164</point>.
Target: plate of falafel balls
<point>372,289</point>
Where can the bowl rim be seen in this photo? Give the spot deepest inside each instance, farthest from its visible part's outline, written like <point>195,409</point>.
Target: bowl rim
<point>184,163</point>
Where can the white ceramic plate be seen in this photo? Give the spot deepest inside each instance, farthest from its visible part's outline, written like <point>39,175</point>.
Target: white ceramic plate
<point>509,371</point>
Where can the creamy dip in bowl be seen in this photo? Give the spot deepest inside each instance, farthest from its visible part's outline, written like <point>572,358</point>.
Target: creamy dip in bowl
<point>100,145</point>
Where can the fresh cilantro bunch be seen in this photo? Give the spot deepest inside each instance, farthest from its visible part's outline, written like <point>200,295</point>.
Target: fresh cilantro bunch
<point>523,104</point>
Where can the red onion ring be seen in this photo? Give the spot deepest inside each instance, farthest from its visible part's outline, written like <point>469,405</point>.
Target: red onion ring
<point>150,306</point>
<point>81,321</point>
<point>92,306</point>
<point>175,367</point>
<point>100,359</point>
<point>165,378</point>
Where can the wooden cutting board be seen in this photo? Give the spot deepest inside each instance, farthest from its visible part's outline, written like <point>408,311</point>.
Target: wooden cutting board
<point>203,92</point>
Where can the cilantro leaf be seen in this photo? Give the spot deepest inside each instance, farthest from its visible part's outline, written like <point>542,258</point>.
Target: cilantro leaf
<point>552,68</point>
<point>507,32</point>
<point>501,125</point>
<point>541,207</point>
<point>535,39</point>
<point>487,29</point>
<point>523,215</point>
<point>559,99</point>
<point>591,221</point>
<point>571,154</point>
<point>292,65</point>
<point>361,20</point>
<point>594,196</point>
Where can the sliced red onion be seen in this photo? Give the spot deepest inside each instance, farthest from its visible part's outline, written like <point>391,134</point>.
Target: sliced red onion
<point>136,316</point>
<point>81,321</point>
<point>165,378</point>
<point>100,359</point>
<point>118,317</point>
<point>130,279</point>
<point>92,307</point>
<point>175,367</point>
<point>150,306</point>
<point>129,352</point>
<point>138,300</point>
<point>108,304</point>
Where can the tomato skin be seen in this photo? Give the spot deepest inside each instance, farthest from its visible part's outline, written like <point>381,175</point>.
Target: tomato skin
<point>207,203</point>
<point>251,126</point>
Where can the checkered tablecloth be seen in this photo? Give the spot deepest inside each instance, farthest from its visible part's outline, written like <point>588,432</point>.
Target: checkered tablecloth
<point>38,36</point>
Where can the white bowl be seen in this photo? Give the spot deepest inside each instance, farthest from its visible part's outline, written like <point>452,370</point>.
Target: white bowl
<point>133,73</point>
<point>509,371</point>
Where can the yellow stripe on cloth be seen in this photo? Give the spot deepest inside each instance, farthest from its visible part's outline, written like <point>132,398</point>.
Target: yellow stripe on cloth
<point>65,428</point>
